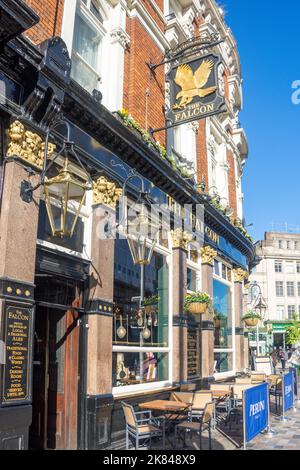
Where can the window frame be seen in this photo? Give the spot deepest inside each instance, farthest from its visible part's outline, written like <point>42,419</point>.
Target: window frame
<point>232,349</point>
<point>290,289</point>
<point>128,389</point>
<point>86,14</point>
<point>281,286</point>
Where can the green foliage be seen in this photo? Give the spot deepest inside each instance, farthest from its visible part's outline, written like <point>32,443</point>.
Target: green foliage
<point>293,332</point>
<point>197,297</point>
<point>251,315</point>
<point>130,122</point>
<point>151,300</point>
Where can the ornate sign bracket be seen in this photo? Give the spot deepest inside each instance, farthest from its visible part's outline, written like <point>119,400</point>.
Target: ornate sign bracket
<point>187,49</point>
<point>194,81</point>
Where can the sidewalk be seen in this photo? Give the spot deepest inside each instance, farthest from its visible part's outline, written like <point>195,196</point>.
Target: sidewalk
<point>287,434</point>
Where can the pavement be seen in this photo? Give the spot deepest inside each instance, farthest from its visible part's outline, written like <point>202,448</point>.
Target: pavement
<point>287,435</point>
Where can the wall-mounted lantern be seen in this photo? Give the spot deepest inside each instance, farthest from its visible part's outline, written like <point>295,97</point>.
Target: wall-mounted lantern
<point>65,192</point>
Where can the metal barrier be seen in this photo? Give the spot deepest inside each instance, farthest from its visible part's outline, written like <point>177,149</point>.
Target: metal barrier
<point>256,412</point>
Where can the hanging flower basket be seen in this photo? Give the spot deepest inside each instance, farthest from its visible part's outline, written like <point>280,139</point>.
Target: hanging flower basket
<point>251,319</point>
<point>198,308</point>
<point>197,303</point>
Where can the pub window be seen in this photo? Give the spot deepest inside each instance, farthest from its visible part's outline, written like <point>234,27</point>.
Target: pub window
<point>223,321</point>
<point>140,335</point>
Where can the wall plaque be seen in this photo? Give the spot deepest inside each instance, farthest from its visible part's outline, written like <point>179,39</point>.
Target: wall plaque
<point>16,372</point>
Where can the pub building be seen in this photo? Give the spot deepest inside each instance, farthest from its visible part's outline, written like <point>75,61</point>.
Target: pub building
<point>76,340</point>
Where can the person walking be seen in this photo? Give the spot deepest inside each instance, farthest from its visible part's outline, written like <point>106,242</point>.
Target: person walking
<point>283,358</point>
<point>274,360</point>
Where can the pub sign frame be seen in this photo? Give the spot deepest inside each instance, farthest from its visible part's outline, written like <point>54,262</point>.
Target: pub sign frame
<point>186,104</point>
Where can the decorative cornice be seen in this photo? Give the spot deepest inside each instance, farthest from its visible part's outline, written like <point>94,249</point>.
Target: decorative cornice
<point>208,255</point>
<point>16,17</point>
<point>106,192</point>
<point>120,36</point>
<point>27,145</point>
<point>181,239</point>
<point>240,275</point>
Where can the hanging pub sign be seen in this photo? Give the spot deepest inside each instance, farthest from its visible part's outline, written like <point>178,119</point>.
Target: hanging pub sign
<point>194,90</point>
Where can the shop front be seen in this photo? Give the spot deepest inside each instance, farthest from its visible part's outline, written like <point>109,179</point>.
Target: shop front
<point>84,325</point>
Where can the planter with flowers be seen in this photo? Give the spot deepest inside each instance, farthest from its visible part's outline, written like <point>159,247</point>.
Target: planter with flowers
<point>218,319</point>
<point>251,319</point>
<point>150,304</point>
<point>197,303</point>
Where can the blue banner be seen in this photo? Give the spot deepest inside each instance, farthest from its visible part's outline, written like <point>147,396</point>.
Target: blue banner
<point>295,375</point>
<point>288,386</point>
<point>256,410</point>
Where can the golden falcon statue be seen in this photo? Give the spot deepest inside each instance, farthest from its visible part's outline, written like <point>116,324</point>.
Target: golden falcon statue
<point>192,83</point>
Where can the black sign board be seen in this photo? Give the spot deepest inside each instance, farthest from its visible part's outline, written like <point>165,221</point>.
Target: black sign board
<point>194,90</point>
<point>16,371</point>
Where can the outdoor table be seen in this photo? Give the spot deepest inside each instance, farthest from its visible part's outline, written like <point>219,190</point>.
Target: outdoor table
<point>167,406</point>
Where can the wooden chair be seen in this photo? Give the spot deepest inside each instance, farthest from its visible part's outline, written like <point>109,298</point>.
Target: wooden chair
<point>188,387</point>
<point>246,380</point>
<point>197,427</point>
<point>258,377</point>
<point>199,402</point>
<point>217,387</point>
<point>276,389</point>
<point>141,426</point>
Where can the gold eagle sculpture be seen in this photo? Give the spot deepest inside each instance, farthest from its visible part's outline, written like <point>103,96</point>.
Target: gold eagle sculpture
<point>192,84</point>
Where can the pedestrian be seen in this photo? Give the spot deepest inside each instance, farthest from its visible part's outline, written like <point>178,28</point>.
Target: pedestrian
<point>274,360</point>
<point>283,358</point>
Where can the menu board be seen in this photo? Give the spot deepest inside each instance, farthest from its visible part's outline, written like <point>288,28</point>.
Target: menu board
<point>193,353</point>
<point>16,371</point>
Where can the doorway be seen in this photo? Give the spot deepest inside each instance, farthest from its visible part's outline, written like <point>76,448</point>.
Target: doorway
<point>55,364</point>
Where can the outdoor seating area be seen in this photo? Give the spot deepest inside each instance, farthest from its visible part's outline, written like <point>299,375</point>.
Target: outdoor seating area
<point>189,418</point>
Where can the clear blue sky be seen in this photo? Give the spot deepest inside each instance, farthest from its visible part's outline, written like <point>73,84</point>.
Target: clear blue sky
<point>268,38</point>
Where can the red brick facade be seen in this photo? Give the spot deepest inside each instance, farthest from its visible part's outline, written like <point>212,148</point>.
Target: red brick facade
<point>232,183</point>
<point>144,94</point>
<point>50,24</point>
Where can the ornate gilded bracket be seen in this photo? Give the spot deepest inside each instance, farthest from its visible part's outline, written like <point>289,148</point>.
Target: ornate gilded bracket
<point>208,255</point>
<point>181,239</point>
<point>27,145</point>
<point>106,192</point>
<point>239,275</point>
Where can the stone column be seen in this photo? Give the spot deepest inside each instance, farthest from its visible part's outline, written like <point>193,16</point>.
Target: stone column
<point>239,277</point>
<point>100,317</point>
<point>180,242</point>
<point>18,235</point>
<point>207,327</point>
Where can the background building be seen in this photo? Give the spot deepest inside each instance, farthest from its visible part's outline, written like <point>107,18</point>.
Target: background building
<point>278,274</point>
<point>76,293</point>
